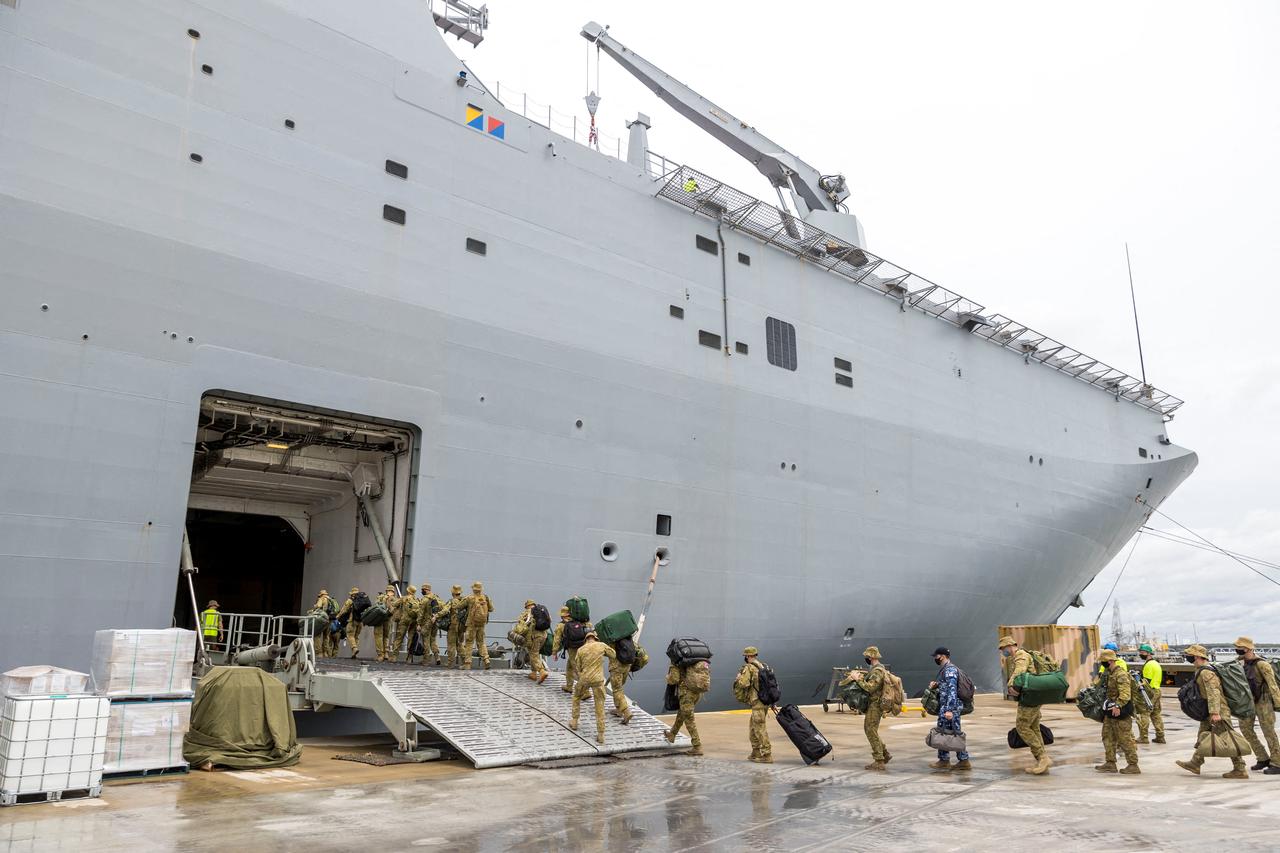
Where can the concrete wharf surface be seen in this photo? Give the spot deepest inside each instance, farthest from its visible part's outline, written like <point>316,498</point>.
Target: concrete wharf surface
<point>676,802</point>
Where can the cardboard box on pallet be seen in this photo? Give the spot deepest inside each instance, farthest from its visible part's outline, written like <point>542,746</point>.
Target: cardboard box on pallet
<point>141,662</point>
<point>146,735</point>
<point>51,743</point>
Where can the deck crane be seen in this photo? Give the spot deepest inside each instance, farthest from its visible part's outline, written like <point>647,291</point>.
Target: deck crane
<point>818,198</point>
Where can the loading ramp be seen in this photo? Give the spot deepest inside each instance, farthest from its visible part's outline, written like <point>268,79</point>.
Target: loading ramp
<point>494,718</point>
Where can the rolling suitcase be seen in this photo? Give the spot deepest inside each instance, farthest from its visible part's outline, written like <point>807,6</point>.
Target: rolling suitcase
<point>810,743</point>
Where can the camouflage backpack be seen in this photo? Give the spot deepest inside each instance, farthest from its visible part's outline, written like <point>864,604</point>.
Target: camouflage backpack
<point>892,696</point>
<point>696,677</point>
<point>1042,663</point>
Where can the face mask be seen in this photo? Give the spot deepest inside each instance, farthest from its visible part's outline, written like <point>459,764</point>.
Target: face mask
<point>1189,658</point>
<point>1106,665</point>
<point>938,661</point>
<point>1145,657</point>
<point>1006,652</point>
<point>1240,652</point>
<point>746,659</point>
<point>868,660</point>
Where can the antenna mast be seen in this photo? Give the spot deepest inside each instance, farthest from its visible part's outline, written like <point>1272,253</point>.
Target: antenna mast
<point>1134,299</point>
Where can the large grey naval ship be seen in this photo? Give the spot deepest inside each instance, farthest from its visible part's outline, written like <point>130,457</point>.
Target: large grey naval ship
<point>284,280</point>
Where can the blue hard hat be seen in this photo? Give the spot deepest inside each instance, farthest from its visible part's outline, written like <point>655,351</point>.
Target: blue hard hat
<point>1111,646</point>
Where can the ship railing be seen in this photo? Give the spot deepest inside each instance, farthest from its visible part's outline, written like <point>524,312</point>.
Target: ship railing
<point>249,630</point>
<point>705,195</point>
<point>460,19</point>
<point>568,125</point>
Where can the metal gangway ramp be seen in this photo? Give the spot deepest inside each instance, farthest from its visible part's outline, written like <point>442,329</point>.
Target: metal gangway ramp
<point>495,718</point>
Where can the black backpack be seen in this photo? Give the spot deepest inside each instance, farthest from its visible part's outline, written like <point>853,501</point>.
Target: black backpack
<point>625,649</point>
<point>360,603</point>
<point>767,690</point>
<point>1193,704</point>
<point>574,635</point>
<point>964,687</point>
<point>541,618</point>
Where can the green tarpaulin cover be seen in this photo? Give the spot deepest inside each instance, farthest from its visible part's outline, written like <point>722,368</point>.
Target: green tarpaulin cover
<point>241,719</point>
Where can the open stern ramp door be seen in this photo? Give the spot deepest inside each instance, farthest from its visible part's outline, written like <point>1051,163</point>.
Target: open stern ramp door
<point>495,718</point>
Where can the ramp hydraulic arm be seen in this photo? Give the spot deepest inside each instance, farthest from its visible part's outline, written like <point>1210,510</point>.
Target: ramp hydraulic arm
<point>784,170</point>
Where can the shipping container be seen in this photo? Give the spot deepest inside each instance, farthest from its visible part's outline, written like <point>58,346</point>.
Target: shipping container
<point>1074,647</point>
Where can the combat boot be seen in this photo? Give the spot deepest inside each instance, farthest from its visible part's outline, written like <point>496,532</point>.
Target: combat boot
<point>887,756</point>
<point>963,765</point>
<point>1159,739</point>
<point>573,725</point>
<point>626,718</point>
<point>1042,766</point>
<point>600,738</point>
<point>1143,740</point>
<point>755,753</point>
<point>1188,766</point>
<point>1261,765</point>
<point>766,758</point>
<point>1271,770</point>
<point>670,736</point>
<point>543,677</point>
<point>941,765</point>
<point>1105,767</point>
<point>697,750</point>
<point>1130,770</point>
<point>877,766</point>
<point>1237,773</point>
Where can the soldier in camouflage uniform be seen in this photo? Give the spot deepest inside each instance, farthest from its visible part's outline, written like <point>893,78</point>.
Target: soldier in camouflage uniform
<point>692,683</point>
<point>382,633</point>
<point>1262,684</point>
<point>1219,712</point>
<point>1028,719</point>
<point>590,663</point>
<point>746,690</point>
<point>873,684</point>
<point>328,639</point>
<point>1117,732</point>
<point>557,646</point>
<point>353,624</point>
<point>533,648</point>
<point>479,606</point>
<point>429,608</point>
<point>405,612</point>
<point>453,618</point>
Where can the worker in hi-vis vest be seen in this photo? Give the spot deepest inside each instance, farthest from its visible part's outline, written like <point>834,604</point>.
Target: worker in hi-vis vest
<point>211,623</point>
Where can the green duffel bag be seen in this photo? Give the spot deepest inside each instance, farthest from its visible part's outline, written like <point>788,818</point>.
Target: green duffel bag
<point>1090,702</point>
<point>320,621</point>
<point>932,705</point>
<point>856,698</point>
<point>375,615</point>
<point>579,611</point>
<point>615,626</point>
<point>547,643</point>
<point>1036,690</point>
<point>1235,689</point>
<point>1222,741</point>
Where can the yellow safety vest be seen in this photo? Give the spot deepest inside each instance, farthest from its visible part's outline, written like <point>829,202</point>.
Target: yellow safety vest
<point>211,620</point>
<point>1153,673</point>
<point>691,186</point>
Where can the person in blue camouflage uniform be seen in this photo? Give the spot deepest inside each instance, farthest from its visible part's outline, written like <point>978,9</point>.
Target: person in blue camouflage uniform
<point>948,707</point>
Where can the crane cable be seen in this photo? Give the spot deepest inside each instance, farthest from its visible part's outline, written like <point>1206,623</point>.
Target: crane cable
<point>1215,547</point>
<point>1132,548</point>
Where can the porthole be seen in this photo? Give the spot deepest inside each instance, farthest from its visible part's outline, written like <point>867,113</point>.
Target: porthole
<point>195,34</point>
<point>663,555</point>
<point>578,423</point>
<point>609,551</point>
<point>207,69</point>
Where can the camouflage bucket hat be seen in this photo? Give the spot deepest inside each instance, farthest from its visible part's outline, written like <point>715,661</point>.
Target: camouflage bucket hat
<point>1244,643</point>
<point>354,590</point>
<point>1106,655</point>
<point>750,650</point>
<point>1006,640</point>
<point>564,611</point>
<point>213,603</point>
<point>529,602</point>
<point>411,589</point>
<point>1197,651</point>
<point>871,652</point>
<point>477,586</point>
<point>457,588</point>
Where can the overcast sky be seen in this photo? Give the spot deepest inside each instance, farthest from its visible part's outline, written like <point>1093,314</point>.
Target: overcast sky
<point>1007,150</point>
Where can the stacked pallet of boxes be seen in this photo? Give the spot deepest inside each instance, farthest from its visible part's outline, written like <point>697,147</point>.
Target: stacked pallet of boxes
<point>147,677</point>
<point>52,736</point>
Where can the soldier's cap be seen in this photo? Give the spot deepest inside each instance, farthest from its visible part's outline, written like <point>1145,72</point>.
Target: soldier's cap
<point>391,587</point>
<point>529,602</point>
<point>426,587</point>
<point>324,592</point>
<point>1244,643</point>
<point>1197,651</point>
<point>942,650</point>
<point>411,589</point>
<point>1146,648</point>
<point>593,635</point>
<point>564,611</point>
<point>354,590</point>
<point>871,652</point>
<point>457,588</point>
<point>213,602</point>
<point>477,586</point>
<point>1106,655</point>
<point>1006,640</point>
<point>750,651</point>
